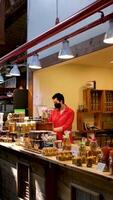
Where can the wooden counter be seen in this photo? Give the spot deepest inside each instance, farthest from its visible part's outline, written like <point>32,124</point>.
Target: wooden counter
<point>33,176</point>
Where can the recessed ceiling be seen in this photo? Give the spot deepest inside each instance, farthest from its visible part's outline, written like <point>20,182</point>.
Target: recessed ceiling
<point>101,58</point>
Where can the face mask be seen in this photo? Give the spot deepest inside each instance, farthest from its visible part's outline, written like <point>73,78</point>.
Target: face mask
<point>57,105</point>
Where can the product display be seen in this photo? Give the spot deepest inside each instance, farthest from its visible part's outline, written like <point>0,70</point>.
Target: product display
<point>5,139</point>
<point>64,155</point>
<point>89,161</point>
<point>17,117</point>
<point>77,161</point>
<point>84,152</point>
<point>82,149</point>
<point>66,144</point>
<point>49,151</point>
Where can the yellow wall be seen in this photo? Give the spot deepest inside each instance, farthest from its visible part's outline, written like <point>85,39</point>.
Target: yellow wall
<point>70,80</point>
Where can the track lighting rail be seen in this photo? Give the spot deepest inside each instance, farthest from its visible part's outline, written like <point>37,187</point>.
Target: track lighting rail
<point>77,17</point>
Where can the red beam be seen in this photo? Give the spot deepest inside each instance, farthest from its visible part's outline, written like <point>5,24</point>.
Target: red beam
<point>77,17</point>
<point>83,29</point>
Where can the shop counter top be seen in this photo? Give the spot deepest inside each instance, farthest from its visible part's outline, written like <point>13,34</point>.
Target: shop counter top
<point>49,178</point>
<point>52,159</point>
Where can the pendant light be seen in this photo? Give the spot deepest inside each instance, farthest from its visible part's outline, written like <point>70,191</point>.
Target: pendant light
<point>65,52</point>
<point>109,34</point>
<point>8,74</point>
<point>1,78</point>
<point>35,62</point>
<point>15,71</point>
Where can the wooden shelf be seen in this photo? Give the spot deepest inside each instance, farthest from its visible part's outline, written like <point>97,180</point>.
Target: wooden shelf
<point>6,102</point>
<point>3,97</point>
<point>92,100</point>
<point>99,107</point>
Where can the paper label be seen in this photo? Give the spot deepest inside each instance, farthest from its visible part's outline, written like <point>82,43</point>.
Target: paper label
<point>100,167</point>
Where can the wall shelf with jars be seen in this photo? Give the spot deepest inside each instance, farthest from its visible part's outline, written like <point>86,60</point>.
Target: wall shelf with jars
<point>97,112</point>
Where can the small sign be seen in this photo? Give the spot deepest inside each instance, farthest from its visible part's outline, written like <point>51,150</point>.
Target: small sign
<point>91,84</point>
<point>74,153</point>
<point>100,167</point>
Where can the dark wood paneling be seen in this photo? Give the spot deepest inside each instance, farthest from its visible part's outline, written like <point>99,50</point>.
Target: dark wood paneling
<point>2,21</point>
<point>82,193</point>
<point>50,182</point>
<point>23,181</point>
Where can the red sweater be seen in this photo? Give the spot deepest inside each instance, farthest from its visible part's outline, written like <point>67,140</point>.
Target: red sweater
<point>62,119</point>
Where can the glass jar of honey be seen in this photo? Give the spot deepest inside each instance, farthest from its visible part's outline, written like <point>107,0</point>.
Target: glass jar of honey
<point>12,127</point>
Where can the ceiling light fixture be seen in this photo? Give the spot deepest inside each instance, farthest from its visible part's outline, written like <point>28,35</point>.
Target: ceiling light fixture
<point>15,71</point>
<point>35,62</point>
<point>8,74</point>
<point>65,52</point>
<point>1,78</point>
<point>109,34</point>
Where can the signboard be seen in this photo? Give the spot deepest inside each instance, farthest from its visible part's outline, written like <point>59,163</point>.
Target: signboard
<point>2,21</point>
<point>100,167</point>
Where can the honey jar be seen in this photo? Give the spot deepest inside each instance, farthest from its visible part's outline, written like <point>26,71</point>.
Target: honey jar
<point>77,161</point>
<point>89,161</point>
<point>12,127</point>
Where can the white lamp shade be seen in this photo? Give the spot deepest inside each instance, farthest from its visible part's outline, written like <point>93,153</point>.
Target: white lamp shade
<point>8,74</point>
<point>109,34</point>
<point>65,52</point>
<point>35,62</point>
<point>1,78</point>
<point>15,71</point>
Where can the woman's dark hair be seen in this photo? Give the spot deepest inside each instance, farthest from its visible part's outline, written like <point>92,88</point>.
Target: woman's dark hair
<point>58,96</point>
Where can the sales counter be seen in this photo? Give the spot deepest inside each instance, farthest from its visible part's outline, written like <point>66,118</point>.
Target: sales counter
<point>27,175</point>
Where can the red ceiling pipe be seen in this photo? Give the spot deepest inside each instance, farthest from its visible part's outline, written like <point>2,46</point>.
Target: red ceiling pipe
<point>77,17</point>
<point>85,28</point>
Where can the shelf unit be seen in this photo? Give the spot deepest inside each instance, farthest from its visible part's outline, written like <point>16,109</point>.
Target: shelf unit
<point>19,100</point>
<point>85,119</point>
<point>98,110</point>
<point>108,101</point>
<point>93,100</point>
<point>6,102</point>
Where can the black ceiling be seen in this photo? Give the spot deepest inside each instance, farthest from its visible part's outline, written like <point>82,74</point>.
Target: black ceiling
<point>15,25</point>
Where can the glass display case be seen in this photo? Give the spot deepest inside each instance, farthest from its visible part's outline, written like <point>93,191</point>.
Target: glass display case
<point>37,139</point>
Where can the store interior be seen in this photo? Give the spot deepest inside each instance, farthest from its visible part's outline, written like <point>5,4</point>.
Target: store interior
<point>42,158</point>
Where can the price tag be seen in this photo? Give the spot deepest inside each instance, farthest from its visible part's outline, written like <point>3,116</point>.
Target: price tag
<point>100,167</point>
<point>74,152</point>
